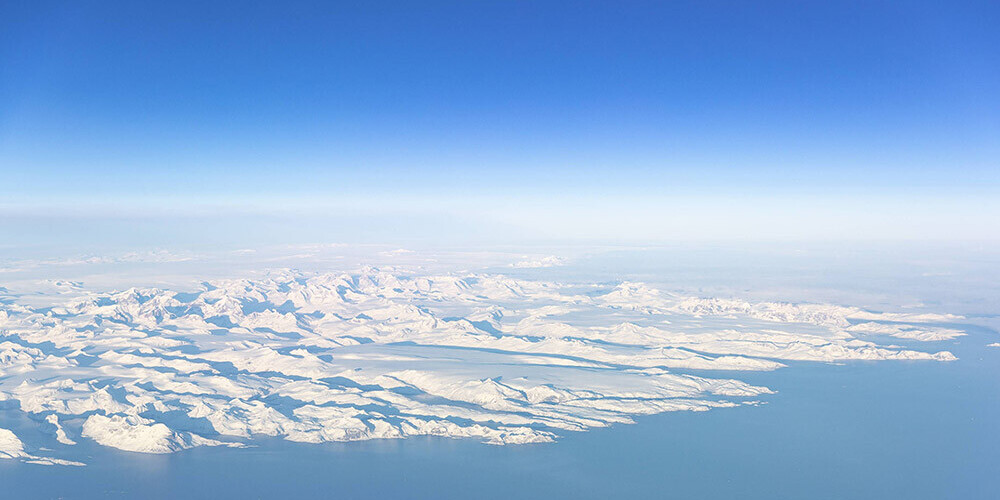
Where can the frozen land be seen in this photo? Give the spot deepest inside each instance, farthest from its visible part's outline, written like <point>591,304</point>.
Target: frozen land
<point>399,351</point>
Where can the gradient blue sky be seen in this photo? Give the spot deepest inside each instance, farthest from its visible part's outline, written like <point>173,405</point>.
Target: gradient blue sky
<point>702,119</point>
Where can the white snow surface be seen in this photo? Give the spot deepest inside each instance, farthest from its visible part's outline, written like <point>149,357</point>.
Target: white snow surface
<point>11,447</point>
<point>913,332</point>
<point>393,353</point>
<point>547,261</point>
<point>134,433</point>
<point>53,426</point>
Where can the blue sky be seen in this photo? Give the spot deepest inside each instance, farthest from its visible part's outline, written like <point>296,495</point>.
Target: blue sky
<point>578,119</point>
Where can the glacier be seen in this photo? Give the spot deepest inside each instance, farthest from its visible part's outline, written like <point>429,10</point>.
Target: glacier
<point>395,352</point>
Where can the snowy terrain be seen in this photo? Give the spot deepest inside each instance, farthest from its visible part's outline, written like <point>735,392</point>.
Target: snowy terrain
<point>399,352</point>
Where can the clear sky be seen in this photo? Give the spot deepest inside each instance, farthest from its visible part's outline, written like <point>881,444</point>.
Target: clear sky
<point>703,119</point>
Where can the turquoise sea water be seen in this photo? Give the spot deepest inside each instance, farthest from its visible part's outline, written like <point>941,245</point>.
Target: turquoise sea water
<point>915,430</point>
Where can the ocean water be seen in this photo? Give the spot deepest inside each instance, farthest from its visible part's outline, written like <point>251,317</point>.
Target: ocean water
<point>915,430</point>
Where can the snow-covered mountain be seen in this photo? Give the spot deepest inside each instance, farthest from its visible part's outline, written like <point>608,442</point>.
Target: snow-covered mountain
<point>379,354</point>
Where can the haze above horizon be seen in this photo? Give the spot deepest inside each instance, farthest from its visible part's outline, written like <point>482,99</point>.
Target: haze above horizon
<point>564,119</point>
